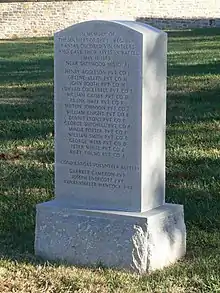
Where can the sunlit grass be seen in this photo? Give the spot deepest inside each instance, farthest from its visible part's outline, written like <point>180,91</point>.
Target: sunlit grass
<point>192,169</point>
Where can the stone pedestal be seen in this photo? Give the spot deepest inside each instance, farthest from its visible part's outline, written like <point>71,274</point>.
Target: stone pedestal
<point>139,242</point>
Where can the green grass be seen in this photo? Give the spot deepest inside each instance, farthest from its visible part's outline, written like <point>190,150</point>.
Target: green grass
<point>193,168</point>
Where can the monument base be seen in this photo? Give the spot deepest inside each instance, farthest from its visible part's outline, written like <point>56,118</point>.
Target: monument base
<point>139,242</point>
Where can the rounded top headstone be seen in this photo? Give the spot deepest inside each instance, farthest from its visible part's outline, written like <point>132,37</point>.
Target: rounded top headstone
<point>109,87</point>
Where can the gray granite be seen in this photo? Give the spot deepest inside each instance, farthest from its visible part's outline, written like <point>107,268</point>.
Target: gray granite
<point>110,104</point>
<point>139,242</point>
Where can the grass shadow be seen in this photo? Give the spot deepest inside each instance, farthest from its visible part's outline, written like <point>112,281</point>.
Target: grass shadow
<point>198,69</point>
<point>194,32</point>
<point>26,82</point>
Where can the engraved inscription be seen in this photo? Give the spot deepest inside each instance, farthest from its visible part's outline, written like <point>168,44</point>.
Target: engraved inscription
<point>86,173</point>
<point>97,107</point>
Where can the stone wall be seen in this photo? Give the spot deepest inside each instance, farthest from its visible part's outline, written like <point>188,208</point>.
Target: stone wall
<point>32,19</point>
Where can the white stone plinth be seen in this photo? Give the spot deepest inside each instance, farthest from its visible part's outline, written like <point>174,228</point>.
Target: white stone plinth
<point>138,242</point>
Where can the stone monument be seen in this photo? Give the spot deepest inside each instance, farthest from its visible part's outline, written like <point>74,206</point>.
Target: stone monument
<point>110,121</point>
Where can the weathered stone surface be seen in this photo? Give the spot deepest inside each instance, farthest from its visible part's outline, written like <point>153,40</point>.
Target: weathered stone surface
<point>139,242</point>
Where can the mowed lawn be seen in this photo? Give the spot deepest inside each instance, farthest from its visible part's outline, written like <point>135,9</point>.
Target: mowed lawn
<point>192,171</point>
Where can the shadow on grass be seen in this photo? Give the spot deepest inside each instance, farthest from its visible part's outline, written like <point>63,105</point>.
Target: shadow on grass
<point>26,114</point>
<point>193,183</point>
<point>198,69</point>
<point>27,46</point>
<point>26,111</point>
<point>195,32</point>
<point>23,188</point>
<point>198,107</point>
<point>20,72</point>
<point>26,81</point>
<point>30,121</point>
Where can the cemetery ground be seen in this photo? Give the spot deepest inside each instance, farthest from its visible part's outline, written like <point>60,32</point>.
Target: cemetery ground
<point>192,168</point>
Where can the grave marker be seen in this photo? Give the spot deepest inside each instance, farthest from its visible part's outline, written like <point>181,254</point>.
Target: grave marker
<point>110,112</point>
